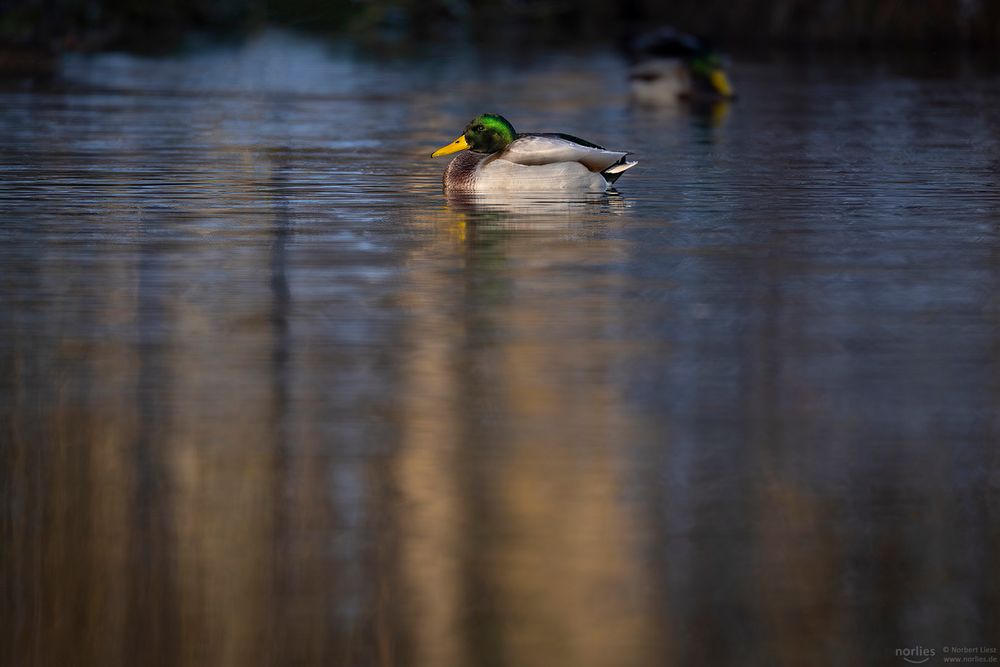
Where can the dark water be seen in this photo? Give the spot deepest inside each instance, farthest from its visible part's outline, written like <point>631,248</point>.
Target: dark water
<point>269,398</point>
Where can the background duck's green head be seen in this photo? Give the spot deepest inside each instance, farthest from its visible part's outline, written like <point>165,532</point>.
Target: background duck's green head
<point>707,72</point>
<point>487,133</point>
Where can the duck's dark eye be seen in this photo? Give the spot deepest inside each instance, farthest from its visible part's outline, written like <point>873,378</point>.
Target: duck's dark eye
<point>479,128</point>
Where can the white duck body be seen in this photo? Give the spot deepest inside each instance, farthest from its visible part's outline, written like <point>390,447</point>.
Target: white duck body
<point>538,162</point>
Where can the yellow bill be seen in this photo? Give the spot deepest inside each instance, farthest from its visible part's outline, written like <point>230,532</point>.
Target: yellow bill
<point>459,144</point>
<point>721,83</point>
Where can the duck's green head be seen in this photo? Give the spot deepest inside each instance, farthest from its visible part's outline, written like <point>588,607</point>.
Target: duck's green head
<point>707,72</point>
<point>487,133</point>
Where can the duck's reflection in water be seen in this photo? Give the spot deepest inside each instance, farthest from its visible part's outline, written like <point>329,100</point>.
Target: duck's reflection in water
<point>700,113</point>
<point>586,213</point>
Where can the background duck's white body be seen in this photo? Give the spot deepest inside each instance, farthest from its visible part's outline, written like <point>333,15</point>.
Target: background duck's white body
<point>538,162</point>
<point>659,82</point>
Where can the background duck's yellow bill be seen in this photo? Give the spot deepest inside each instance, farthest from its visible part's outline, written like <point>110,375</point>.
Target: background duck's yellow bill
<point>721,83</point>
<point>459,144</point>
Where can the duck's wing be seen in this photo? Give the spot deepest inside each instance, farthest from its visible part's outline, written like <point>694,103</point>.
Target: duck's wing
<point>540,149</point>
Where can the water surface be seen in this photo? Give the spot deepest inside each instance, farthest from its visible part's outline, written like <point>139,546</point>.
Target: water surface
<point>269,397</point>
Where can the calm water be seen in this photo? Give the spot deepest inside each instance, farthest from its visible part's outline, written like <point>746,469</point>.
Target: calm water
<point>268,397</point>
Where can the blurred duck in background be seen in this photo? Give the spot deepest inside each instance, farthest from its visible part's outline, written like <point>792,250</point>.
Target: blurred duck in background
<point>669,66</point>
<point>501,160</point>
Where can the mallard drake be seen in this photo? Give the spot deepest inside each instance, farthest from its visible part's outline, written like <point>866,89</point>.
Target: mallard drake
<point>669,66</point>
<point>500,159</point>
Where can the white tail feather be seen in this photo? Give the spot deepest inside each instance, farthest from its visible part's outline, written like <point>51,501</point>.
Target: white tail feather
<point>620,168</point>
<point>614,172</point>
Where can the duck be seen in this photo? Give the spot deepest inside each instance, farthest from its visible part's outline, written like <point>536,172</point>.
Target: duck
<point>496,158</point>
<point>669,66</point>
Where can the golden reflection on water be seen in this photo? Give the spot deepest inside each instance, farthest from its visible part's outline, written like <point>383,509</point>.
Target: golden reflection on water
<point>180,511</point>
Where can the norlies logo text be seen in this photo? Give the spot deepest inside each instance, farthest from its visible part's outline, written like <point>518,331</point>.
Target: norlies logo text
<point>916,655</point>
